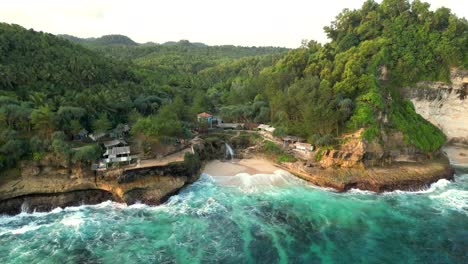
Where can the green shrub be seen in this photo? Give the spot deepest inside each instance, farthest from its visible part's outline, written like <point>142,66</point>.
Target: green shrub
<point>37,156</point>
<point>416,130</point>
<point>192,162</point>
<point>286,158</point>
<point>88,153</point>
<point>319,154</point>
<point>279,132</point>
<point>326,140</point>
<point>271,148</point>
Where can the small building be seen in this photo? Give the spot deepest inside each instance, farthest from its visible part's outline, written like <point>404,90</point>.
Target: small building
<point>82,135</point>
<point>288,140</point>
<point>96,136</point>
<point>231,126</point>
<point>116,151</point>
<point>121,131</point>
<point>306,147</point>
<point>205,117</point>
<point>114,143</point>
<point>117,154</point>
<point>266,128</point>
<point>217,120</point>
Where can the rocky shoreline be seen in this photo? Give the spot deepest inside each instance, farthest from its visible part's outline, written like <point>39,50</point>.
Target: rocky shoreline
<point>51,189</point>
<point>403,176</point>
<point>154,185</point>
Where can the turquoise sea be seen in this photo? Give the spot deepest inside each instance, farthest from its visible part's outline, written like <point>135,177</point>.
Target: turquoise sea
<point>274,218</point>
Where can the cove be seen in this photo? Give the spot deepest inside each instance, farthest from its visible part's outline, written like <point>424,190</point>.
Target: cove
<point>263,218</point>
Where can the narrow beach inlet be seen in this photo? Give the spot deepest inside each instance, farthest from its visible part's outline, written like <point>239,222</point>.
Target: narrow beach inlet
<point>248,174</point>
<point>236,166</point>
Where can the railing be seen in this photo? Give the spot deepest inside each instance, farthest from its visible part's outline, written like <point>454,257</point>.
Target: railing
<point>119,159</point>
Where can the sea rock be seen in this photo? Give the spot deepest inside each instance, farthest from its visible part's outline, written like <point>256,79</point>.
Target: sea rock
<point>49,201</point>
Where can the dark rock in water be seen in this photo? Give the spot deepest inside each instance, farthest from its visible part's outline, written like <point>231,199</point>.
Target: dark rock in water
<point>46,202</point>
<point>262,245</point>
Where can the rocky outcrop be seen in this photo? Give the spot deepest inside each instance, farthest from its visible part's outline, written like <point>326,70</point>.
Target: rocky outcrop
<point>50,183</point>
<point>444,104</point>
<point>41,202</point>
<point>356,152</point>
<point>350,154</point>
<point>398,176</point>
<point>42,187</point>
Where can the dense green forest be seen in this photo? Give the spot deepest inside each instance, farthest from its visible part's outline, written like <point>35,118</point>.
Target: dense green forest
<point>320,91</point>
<point>53,87</point>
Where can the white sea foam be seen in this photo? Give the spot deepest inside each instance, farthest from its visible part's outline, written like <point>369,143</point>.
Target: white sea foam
<point>434,187</point>
<point>177,204</point>
<point>138,206</point>
<point>25,229</point>
<point>252,182</point>
<point>358,191</point>
<point>454,199</point>
<point>74,220</point>
<point>209,207</point>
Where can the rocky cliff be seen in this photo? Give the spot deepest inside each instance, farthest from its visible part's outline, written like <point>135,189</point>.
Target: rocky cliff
<point>444,104</point>
<point>43,186</point>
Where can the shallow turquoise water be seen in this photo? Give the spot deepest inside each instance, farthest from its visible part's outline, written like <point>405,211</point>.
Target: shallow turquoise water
<point>262,219</point>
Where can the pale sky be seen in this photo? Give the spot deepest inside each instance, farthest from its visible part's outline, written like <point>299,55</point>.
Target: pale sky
<point>215,22</point>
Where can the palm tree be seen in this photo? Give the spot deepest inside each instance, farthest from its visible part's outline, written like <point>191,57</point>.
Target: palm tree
<point>44,120</point>
<point>38,99</point>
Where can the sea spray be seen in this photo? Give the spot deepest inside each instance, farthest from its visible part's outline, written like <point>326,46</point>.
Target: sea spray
<point>266,218</point>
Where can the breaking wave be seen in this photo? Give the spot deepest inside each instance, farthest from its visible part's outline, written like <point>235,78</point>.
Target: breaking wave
<point>245,218</point>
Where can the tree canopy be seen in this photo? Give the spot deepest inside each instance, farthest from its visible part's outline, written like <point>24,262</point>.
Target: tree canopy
<point>53,87</point>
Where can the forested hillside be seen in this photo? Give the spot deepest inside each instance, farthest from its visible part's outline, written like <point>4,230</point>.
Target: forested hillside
<point>102,41</point>
<point>353,82</point>
<point>53,87</point>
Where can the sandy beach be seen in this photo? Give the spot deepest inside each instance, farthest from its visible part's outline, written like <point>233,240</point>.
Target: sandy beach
<point>458,154</point>
<point>231,168</point>
<point>248,174</point>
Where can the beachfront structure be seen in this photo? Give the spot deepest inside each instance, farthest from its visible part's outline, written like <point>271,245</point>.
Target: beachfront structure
<point>266,128</point>
<point>121,131</point>
<point>117,154</point>
<point>306,147</point>
<point>216,120</point>
<point>114,143</point>
<point>205,117</point>
<point>231,126</point>
<point>81,135</point>
<point>287,140</point>
<point>96,136</point>
<point>116,151</point>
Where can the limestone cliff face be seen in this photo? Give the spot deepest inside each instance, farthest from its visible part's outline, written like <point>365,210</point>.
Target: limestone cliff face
<point>444,104</point>
<point>43,186</point>
<point>356,152</point>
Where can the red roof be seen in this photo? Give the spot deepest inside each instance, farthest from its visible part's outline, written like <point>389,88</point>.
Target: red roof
<point>204,114</point>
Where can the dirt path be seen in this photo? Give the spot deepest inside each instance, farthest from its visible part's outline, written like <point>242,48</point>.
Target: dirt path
<point>178,156</point>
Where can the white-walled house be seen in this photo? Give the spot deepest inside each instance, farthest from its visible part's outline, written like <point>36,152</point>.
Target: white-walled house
<point>116,151</point>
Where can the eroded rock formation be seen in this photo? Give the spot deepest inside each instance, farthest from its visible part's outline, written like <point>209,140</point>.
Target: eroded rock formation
<point>45,185</point>
<point>444,104</point>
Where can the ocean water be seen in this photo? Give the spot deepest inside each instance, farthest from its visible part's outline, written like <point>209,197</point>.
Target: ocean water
<point>273,218</point>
